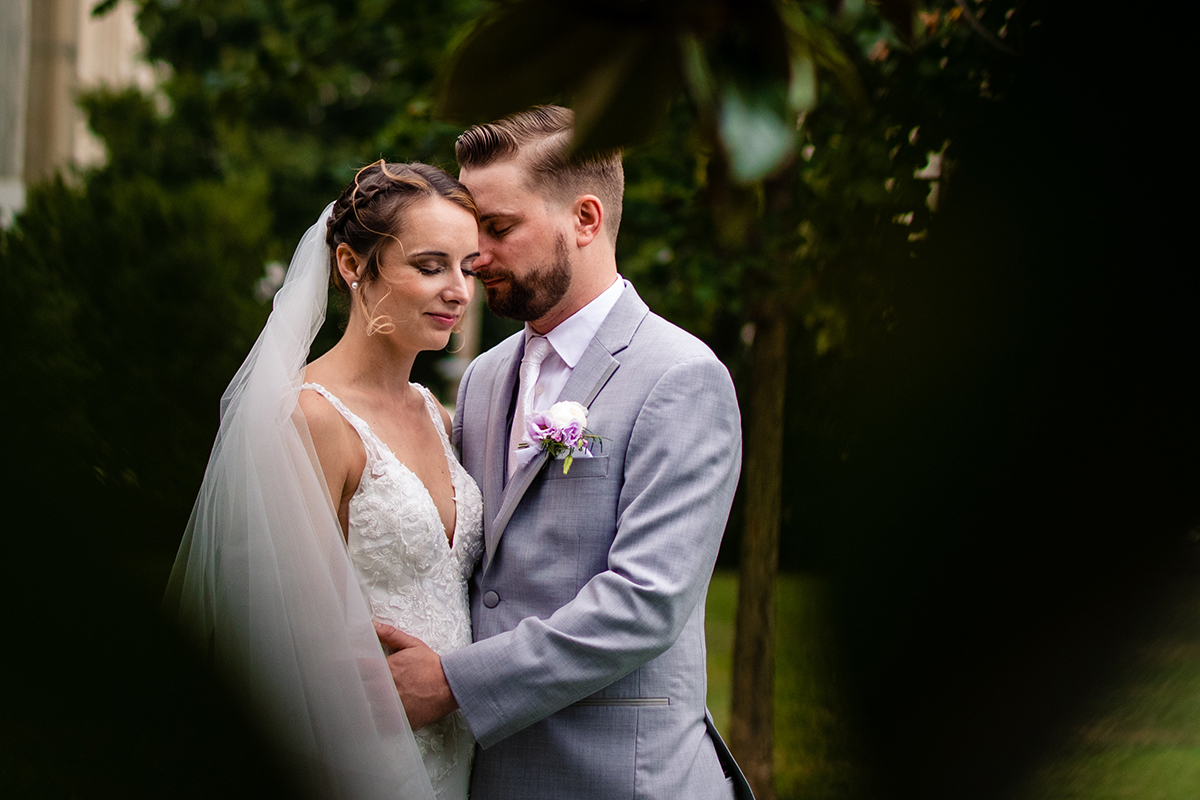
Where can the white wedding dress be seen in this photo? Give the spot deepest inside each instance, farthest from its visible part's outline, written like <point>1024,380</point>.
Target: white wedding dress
<point>413,577</point>
<point>268,589</point>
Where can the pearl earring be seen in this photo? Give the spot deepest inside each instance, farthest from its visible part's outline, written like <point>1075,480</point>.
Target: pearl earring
<point>354,285</point>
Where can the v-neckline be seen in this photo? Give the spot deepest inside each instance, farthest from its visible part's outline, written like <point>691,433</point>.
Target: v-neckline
<point>449,537</point>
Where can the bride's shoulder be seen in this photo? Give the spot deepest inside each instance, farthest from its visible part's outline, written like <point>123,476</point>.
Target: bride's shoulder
<point>326,424</point>
<point>316,407</point>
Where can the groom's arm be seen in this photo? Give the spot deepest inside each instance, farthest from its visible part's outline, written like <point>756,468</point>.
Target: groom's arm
<point>681,469</point>
<point>457,428</point>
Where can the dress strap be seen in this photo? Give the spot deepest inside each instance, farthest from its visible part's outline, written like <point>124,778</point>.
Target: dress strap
<point>371,442</point>
<point>435,412</point>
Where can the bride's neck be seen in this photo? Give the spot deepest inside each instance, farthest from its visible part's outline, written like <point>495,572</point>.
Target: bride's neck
<point>370,363</point>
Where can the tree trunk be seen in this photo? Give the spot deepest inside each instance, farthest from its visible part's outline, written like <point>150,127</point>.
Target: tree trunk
<point>752,732</point>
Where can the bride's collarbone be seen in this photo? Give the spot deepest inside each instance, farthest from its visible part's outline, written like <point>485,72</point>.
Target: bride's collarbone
<point>414,441</point>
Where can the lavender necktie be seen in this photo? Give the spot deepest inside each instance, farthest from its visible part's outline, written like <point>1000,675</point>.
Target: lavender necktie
<point>536,351</point>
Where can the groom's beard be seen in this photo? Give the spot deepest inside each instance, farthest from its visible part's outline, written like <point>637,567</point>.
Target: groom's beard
<point>538,292</point>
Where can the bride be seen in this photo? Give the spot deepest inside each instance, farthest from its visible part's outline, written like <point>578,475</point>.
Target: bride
<point>332,497</point>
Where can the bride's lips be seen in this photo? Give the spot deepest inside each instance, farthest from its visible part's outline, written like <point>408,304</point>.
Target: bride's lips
<point>446,320</point>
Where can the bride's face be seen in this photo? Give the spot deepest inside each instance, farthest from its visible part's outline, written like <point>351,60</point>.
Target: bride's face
<point>425,279</point>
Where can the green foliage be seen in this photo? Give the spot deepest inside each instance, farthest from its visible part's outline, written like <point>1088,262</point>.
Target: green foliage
<point>305,91</point>
<point>824,236</point>
<point>746,65</point>
<point>666,244</point>
<point>132,292</point>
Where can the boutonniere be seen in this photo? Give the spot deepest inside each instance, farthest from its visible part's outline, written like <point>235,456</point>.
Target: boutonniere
<point>562,428</point>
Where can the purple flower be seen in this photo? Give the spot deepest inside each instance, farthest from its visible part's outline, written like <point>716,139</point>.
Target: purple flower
<point>539,426</point>
<point>542,426</point>
<point>562,428</point>
<point>569,435</point>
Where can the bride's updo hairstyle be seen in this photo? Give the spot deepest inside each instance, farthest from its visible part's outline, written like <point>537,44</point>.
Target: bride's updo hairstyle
<point>370,213</point>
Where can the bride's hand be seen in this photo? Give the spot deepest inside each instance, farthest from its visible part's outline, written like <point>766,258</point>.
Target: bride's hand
<point>417,673</point>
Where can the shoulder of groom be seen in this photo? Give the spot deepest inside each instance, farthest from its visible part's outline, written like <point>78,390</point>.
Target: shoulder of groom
<point>500,354</point>
<point>672,342</point>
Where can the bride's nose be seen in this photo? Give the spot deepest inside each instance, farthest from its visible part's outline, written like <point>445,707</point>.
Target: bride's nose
<point>459,288</point>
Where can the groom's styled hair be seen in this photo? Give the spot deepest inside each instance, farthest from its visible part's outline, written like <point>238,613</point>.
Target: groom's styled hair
<point>540,138</point>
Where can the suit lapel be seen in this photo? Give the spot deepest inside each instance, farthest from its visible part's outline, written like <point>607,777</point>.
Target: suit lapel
<point>587,379</point>
<point>496,452</point>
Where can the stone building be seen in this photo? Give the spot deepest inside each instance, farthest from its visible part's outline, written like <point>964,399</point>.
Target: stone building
<point>50,50</point>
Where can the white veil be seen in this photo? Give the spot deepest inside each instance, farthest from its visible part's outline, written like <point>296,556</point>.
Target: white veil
<point>264,582</point>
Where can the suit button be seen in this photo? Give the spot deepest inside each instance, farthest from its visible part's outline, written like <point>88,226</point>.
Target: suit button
<point>491,599</point>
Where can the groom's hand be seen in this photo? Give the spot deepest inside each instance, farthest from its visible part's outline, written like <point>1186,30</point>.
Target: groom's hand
<point>417,673</point>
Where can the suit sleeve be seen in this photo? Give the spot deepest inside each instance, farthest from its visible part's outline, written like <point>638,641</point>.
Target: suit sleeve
<point>459,403</point>
<point>680,471</point>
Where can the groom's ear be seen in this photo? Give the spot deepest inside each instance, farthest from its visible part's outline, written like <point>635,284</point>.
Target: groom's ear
<point>588,214</point>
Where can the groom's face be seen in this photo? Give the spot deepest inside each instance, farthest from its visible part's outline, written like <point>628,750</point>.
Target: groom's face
<point>524,262</point>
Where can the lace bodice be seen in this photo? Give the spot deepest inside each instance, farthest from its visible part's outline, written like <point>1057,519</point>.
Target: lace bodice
<point>413,577</point>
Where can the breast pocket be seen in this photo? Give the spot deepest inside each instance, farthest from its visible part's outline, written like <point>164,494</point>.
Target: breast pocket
<point>577,512</point>
<point>580,468</point>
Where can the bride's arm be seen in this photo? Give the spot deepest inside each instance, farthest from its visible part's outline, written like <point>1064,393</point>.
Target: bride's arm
<point>339,451</point>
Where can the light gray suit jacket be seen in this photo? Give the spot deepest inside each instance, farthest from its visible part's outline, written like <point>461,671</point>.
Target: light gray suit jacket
<point>587,675</point>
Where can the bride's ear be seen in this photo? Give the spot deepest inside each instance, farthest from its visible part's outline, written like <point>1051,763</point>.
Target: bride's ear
<point>348,263</point>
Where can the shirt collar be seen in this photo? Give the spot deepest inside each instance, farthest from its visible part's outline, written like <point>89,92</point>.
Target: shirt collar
<point>571,336</point>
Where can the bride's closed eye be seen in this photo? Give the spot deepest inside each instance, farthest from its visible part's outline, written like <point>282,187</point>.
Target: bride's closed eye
<point>431,263</point>
<point>430,267</point>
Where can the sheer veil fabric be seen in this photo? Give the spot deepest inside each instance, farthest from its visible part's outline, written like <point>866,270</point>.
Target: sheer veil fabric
<point>263,580</point>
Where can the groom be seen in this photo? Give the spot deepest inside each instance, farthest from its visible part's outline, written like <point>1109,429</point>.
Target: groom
<point>587,675</point>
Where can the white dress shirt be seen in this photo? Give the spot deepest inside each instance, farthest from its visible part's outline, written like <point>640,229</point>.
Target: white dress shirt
<point>569,339</point>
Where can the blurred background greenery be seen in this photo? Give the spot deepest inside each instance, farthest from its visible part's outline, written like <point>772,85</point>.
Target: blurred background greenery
<point>989,475</point>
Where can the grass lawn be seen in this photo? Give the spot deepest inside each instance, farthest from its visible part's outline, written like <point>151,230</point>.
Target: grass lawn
<point>812,734</point>
<point>1142,740</point>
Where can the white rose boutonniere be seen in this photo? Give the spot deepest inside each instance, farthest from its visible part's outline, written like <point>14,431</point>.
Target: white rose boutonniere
<point>562,428</point>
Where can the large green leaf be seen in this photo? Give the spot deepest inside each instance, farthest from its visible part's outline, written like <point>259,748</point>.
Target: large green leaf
<point>749,66</point>
<point>625,101</point>
<point>614,63</point>
<point>757,138</point>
